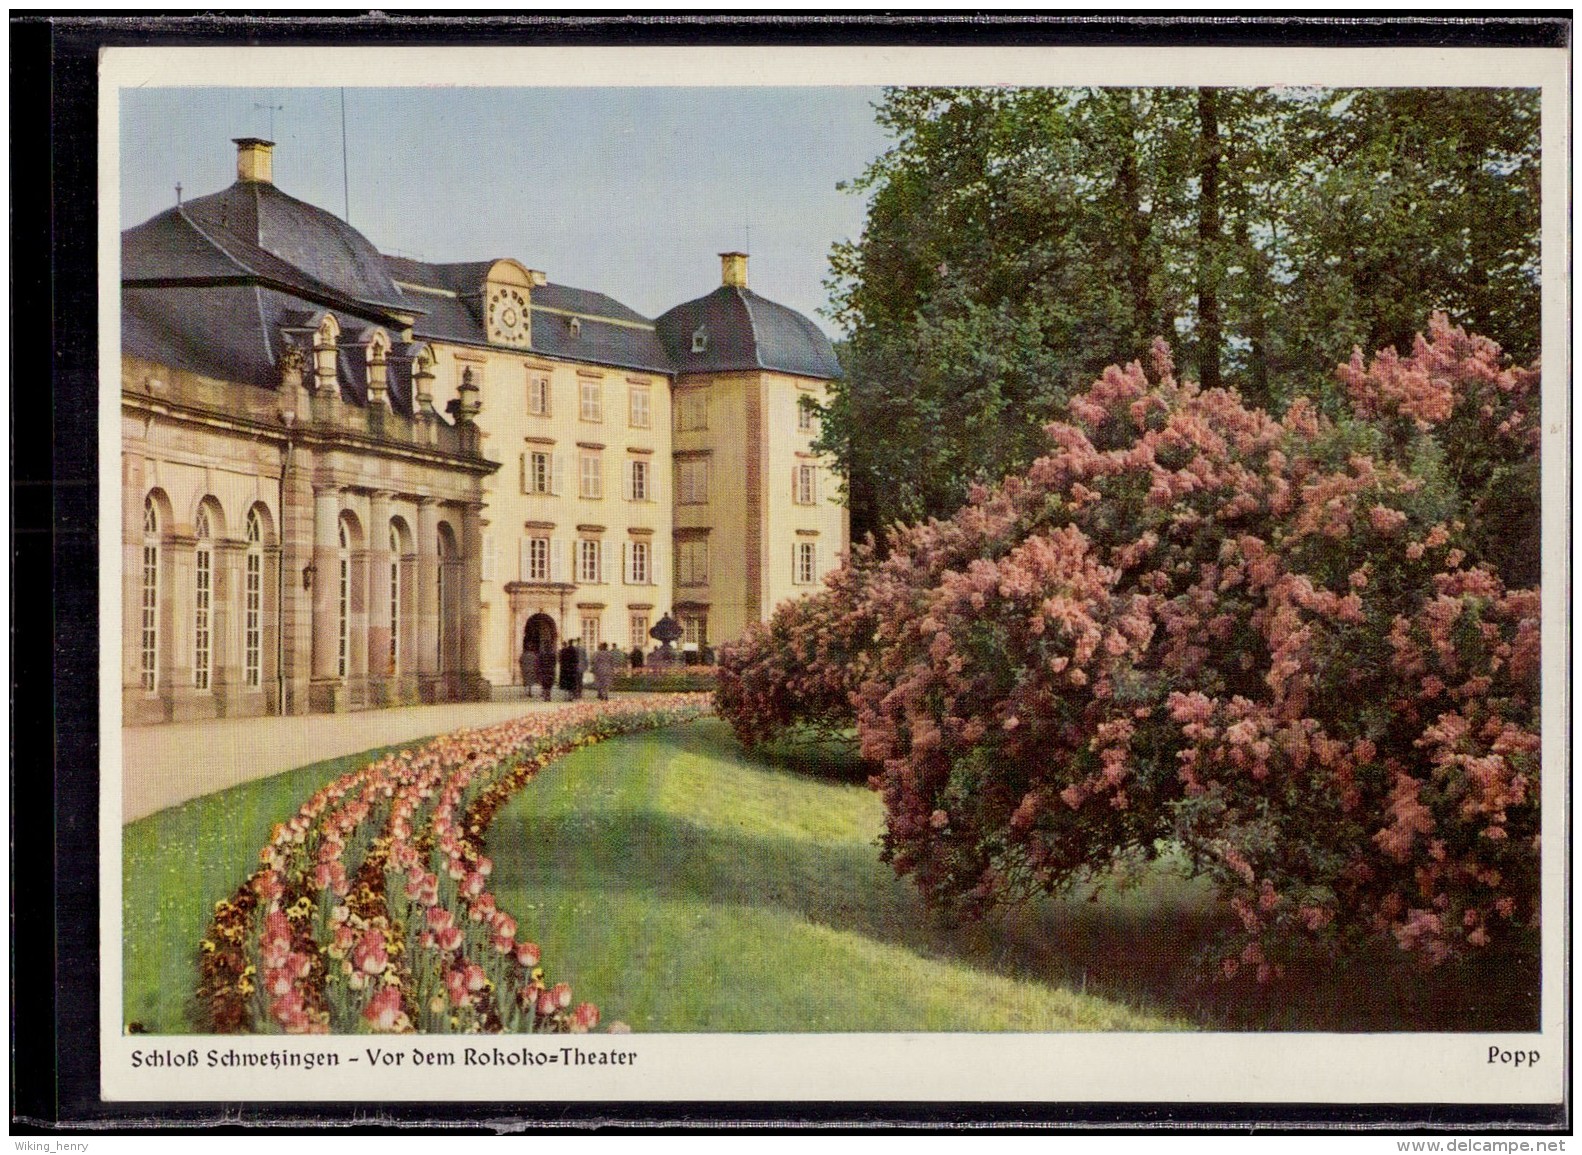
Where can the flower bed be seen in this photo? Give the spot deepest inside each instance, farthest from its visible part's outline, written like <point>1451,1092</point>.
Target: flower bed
<point>370,910</point>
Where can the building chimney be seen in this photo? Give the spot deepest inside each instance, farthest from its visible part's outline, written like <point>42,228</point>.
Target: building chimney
<point>255,159</point>
<point>733,270</point>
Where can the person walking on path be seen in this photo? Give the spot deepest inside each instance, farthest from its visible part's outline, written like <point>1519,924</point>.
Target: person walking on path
<point>605,663</point>
<point>546,673</point>
<point>570,675</point>
<point>529,664</point>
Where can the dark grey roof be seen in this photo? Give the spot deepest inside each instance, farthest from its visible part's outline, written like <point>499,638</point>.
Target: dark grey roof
<point>174,248</point>
<point>233,333</point>
<point>304,236</point>
<point>607,332</point>
<point>745,331</point>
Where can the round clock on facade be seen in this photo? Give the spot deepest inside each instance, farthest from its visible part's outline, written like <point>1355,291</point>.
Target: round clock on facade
<point>508,317</point>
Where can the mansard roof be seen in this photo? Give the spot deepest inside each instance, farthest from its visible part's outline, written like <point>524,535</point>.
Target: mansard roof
<point>315,242</point>
<point>733,328</point>
<point>606,332</point>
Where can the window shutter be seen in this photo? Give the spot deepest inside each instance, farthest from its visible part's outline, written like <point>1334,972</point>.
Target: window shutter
<point>524,473</point>
<point>557,561</point>
<point>488,560</point>
<point>655,553</point>
<point>796,488</point>
<point>631,492</point>
<point>604,564</point>
<point>626,562</point>
<point>813,557</point>
<point>557,484</point>
<point>818,487</point>
<point>524,559</point>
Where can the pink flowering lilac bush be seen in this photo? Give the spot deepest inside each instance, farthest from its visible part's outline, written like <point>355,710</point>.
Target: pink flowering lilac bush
<point>1293,647</point>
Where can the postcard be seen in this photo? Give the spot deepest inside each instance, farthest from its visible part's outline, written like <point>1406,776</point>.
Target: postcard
<point>774,574</point>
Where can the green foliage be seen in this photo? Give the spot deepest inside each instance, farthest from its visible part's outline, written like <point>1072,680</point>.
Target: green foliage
<point>1019,240</point>
<point>1295,647</point>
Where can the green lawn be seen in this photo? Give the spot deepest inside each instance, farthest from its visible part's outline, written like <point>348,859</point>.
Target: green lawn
<point>682,884</point>
<point>178,863</point>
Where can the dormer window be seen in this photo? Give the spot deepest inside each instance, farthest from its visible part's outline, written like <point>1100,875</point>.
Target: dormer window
<point>700,339</point>
<point>575,325</point>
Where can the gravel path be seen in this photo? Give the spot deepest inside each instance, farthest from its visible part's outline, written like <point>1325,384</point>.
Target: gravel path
<point>168,764</point>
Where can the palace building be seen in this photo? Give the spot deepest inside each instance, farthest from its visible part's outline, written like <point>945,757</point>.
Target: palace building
<point>353,480</point>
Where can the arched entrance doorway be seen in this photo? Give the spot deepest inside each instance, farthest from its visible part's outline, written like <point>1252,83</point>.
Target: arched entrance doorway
<point>539,634</point>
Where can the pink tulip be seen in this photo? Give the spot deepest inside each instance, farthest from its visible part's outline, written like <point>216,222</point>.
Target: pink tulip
<point>383,1011</point>
<point>584,1018</point>
<point>370,955</point>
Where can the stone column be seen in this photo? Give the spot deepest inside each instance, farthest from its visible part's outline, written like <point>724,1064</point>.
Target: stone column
<point>473,687</point>
<point>357,627</point>
<point>327,692</point>
<point>178,583</point>
<point>379,623</point>
<point>427,593</point>
<point>228,613</point>
<point>268,637</point>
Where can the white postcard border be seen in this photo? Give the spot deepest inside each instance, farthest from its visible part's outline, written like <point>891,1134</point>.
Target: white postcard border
<point>1249,1068</point>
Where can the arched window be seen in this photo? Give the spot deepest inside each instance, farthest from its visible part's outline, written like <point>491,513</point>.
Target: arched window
<point>395,600</point>
<point>253,604</point>
<point>202,604</point>
<point>148,642</point>
<point>344,602</point>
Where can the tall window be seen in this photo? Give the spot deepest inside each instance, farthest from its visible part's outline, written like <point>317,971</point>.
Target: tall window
<point>148,643</point>
<point>637,407</point>
<point>344,604</point>
<point>203,606</point>
<point>537,472</point>
<point>692,481</point>
<point>637,569</point>
<point>591,472</point>
<point>639,631</point>
<point>395,600</point>
<point>692,410</point>
<point>637,486</point>
<point>588,560</point>
<point>590,632</point>
<point>537,560</point>
<point>805,484</point>
<point>805,567</point>
<point>692,562</point>
<point>804,418</point>
<point>592,394</point>
<point>253,604</point>
<point>538,394</point>
<point>695,629</point>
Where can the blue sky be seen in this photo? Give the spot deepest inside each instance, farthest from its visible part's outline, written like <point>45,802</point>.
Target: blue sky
<point>630,191</point>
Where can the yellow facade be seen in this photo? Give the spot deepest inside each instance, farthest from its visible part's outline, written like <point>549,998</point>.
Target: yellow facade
<point>590,416</point>
<point>769,531</point>
<point>598,469</point>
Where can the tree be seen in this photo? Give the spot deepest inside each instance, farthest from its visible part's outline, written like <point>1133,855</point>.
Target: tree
<point>1019,240</point>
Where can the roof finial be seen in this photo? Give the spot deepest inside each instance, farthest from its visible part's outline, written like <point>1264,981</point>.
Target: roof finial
<point>178,194</point>
<point>273,108</point>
